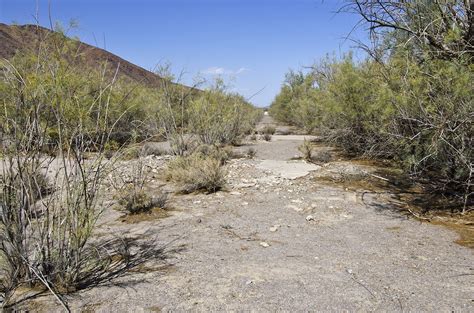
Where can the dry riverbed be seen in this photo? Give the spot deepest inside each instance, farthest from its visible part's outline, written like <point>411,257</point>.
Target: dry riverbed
<point>282,236</point>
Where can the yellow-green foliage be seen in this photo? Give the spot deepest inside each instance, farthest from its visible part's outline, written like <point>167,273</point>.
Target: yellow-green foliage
<point>197,172</point>
<point>218,117</point>
<point>417,113</point>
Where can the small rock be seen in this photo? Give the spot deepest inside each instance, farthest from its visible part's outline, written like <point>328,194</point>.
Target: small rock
<point>310,218</point>
<point>235,193</point>
<point>274,228</point>
<point>249,282</point>
<point>197,201</point>
<point>245,203</point>
<point>264,244</point>
<point>297,201</point>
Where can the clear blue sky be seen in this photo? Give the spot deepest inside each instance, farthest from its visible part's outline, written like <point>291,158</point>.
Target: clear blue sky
<point>251,43</point>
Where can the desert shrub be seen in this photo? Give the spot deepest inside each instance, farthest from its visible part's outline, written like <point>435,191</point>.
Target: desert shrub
<point>306,148</point>
<point>253,137</point>
<point>129,152</point>
<point>172,112</point>
<point>45,231</point>
<point>196,172</point>
<point>411,101</point>
<point>218,117</point>
<point>250,153</point>
<point>222,154</point>
<point>136,201</point>
<point>268,130</point>
<point>131,192</point>
<point>267,137</point>
<point>152,149</point>
<point>321,157</point>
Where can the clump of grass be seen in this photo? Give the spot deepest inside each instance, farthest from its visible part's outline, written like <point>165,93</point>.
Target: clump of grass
<point>222,154</point>
<point>197,172</point>
<point>138,201</point>
<point>268,130</point>
<point>130,153</point>
<point>250,153</point>
<point>322,157</point>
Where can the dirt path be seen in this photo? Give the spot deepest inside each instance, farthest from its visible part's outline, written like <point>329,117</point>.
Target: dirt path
<point>274,241</point>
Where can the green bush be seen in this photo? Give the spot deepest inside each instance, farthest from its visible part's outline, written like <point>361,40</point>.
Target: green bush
<point>416,113</point>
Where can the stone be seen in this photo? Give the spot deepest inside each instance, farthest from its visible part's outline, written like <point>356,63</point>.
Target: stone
<point>274,228</point>
<point>264,244</point>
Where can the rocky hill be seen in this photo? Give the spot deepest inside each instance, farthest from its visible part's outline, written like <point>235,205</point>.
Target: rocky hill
<point>20,38</point>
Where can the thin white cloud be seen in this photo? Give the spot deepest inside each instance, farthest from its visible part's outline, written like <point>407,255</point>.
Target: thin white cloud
<point>215,70</point>
<point>242,70</point>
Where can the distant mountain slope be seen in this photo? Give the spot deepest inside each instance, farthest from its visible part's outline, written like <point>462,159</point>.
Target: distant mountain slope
<point>14,38</point>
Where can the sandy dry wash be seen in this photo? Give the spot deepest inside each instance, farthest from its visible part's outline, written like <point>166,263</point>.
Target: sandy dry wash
<point>279,238</point>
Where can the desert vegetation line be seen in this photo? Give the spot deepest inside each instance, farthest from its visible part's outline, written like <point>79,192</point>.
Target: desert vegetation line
<point>62,129</point>
<point>411,100</point>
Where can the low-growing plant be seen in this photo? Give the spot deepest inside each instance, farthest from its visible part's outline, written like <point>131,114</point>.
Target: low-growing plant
<point>250,153</point>
<point>321,157</point>
<point>196,172</point>
<point>152,149</point>
<point>306,148</point>
<point>222,154</point>
<point>267,137</point>
<point>268,130</point>
<point>130,153</point>
<point>135,201</point>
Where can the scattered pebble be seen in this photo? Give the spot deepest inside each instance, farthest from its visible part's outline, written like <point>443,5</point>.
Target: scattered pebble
<point>265,244</point>
<point>310,218</point>
<point>274,228</point>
